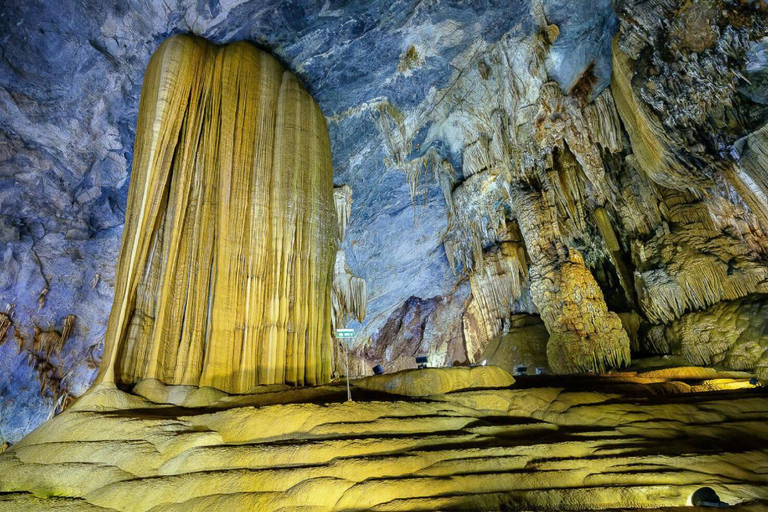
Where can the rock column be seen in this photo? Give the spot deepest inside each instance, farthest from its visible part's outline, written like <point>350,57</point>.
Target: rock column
<point>226,262</point>
<point>584,335</point>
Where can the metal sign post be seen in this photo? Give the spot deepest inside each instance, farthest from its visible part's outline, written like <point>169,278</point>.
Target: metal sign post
<point>347,334</point>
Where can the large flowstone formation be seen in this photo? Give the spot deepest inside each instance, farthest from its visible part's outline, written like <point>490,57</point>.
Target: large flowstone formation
<point>226,262</point>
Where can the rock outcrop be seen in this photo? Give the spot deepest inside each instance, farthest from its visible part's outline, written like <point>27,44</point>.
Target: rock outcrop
<point>730,334</point>
<point>637,131</point>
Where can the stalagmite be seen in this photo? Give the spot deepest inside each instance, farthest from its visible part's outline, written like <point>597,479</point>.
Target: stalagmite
<point>584,335</point>
<point>224,273</point>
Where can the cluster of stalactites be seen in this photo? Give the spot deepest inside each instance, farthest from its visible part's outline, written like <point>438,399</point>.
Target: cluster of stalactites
<point>479,220</point>
<point>225,268</point>
<point>349,293</point>
<point>651,145</point>
<point>701,251</point>
<point>497,291</point>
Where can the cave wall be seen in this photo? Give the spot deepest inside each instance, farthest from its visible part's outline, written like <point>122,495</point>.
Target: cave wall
<point>418,99</point>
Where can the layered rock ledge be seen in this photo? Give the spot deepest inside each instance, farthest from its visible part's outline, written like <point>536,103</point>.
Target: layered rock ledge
<point>624,440</point>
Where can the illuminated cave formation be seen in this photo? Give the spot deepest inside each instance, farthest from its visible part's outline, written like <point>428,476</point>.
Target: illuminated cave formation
<point>562,207</point>
<point>225,267</point>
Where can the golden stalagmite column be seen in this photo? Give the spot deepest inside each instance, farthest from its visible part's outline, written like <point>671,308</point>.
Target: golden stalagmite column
<point>226,263</point>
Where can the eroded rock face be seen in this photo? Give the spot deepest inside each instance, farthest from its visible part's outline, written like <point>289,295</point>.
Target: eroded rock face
<point>730,334</point>
<point>641,129</point>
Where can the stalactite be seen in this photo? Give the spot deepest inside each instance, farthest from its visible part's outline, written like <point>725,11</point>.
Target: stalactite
<point>475,157</point>
<point>397,146</point>
<point>706,251</point>
<point>349,293</point>
<point>479,219</point>
<point>225,268</point>
<point>50,342</point>
<point>605,227</point>
<point>342,198</point>
<point>445,175</point>
<point>567,190</point>
<point>650,144</point>
<point>497,290</point>
<point>603,123</point>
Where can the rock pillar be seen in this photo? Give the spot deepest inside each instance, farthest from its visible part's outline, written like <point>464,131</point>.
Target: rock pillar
<point>584,335</point>
<point>225,268</point>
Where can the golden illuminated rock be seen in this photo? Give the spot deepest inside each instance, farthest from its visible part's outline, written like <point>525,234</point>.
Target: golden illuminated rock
<point>495,287</point>
<point>224,273</point>
<point>584,335</point>
<point>616,445</point>
<point>437,381</point>
<point>650,143</point>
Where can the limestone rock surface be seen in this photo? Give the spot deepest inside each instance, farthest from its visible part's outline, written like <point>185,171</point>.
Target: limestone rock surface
<point>600,442</point>
<point>437,381</point>
<point>639,126</point>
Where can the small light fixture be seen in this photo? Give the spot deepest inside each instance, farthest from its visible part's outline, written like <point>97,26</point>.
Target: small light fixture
<point>378,370</point>
<point>421,362</point>
<point>521,369</point>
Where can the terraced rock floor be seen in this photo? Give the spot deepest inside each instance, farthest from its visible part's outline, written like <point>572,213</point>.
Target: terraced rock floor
<point>623,441</point>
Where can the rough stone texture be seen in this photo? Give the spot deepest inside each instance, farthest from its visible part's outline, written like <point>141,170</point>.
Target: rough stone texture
<point>523,343</point>
<point>730,334</point>
<point>624,441</point>
<point>437,381</point>
<point>433,328</point>
<point>421,99</point>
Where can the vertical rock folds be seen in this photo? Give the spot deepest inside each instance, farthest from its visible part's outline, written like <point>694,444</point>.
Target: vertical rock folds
<point>225,268</point>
